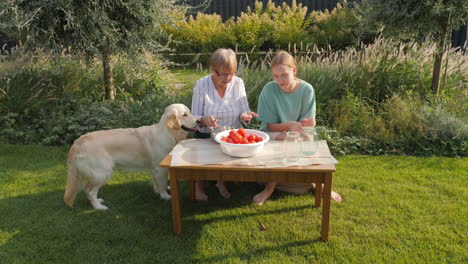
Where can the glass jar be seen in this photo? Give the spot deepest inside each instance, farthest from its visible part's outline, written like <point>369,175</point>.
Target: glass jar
<point>309,145</point>
<point>292,143</point>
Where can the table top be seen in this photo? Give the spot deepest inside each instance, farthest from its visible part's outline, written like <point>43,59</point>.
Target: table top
<point>166,163</point>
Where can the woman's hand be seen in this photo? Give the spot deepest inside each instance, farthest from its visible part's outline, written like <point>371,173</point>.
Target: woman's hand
<point>247,116</point>
<point>295,126</point>
<point>208,121</point>
<point>308,122</point>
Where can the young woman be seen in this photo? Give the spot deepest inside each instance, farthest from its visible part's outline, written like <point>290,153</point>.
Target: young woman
<point>287,103</point>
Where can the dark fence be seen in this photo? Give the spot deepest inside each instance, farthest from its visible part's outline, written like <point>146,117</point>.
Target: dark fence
<point>459,37</point>
<point>5,46</point>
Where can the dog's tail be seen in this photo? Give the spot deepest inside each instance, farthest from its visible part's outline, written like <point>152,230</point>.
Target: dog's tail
<point>73,179</point>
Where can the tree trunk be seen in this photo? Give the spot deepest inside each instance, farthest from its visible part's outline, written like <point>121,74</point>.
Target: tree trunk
<point>438,60</point>
<point>448,42</point>
<point>108,78</point>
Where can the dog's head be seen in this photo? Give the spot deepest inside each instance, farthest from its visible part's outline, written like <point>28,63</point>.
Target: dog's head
<point>178,117</point>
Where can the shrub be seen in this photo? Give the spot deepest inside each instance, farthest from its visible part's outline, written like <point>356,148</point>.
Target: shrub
<point>377,99</point>
<point>263,28</point>
<point>53,102</point>
<point>443,134</point>
<point>379,70</point>
<point>348,115</point>
<point>26,91</point>
<point>253,29</point>
<point>65,120</point>
<point>205,33</point>
<point>289,24</point>
<point>339,28</point>
<point>400,125</point>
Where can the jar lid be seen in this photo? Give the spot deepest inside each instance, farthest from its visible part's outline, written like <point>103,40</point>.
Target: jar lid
<point>308,129</point>
<point>292,134</point>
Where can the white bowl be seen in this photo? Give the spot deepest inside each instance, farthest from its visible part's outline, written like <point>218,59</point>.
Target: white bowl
<point>242,150</point>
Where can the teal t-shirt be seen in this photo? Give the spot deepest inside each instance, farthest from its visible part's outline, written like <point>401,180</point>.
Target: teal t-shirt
<point>276,106</point>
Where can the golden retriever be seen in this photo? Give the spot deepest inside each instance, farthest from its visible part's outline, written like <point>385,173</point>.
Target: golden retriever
<point>93,156</point>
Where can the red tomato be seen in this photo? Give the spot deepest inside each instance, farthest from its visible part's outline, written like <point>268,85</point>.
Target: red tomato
<point>242,132</point>
<point>240,136</point>
<point>232,133</point>
<point>252,137</point>
<point>235,137</point>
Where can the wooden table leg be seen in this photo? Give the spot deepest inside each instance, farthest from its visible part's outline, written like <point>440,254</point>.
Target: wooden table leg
<point>192,190</point>
<point>326,206</point>
<point>176,217</point>
<point>318,194</point>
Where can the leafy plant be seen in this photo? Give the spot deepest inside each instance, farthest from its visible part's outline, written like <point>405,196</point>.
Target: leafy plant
<point>338,28</point>
<point>414,19</point>
<point>25,92</point>
<point>203,33</point>
<point>374,97</point>
<point>254,28</point>
<point>96,28</point>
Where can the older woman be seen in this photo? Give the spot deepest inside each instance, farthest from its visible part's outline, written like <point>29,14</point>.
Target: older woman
<point>219,99</point>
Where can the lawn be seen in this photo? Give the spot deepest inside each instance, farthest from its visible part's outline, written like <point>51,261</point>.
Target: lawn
<point>188,77</point>
<point>396,209</point>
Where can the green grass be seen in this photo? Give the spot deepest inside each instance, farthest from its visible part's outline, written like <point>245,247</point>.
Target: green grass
<point>396,209</point>
<point>188,77</point>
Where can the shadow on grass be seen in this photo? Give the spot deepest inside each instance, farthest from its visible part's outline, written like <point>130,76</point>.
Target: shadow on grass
<point>39,228</point>
<point>137,228</point>
<point>257,252</point>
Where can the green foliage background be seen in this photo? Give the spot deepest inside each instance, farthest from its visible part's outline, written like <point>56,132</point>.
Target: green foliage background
<point>372,98</point>
<point>267,27</point>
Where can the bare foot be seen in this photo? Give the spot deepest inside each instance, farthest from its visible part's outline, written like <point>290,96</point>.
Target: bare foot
<point>201,196</point>
<point>261,197</point>
<point>199,192</point>
<point>223,191</point>
<point>336,196</point>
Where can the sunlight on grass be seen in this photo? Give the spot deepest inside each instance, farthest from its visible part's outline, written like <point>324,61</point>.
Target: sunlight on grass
<point>39,180</point>
<point>5,236</point>
<point>187,78</point>
<point>395,209</point>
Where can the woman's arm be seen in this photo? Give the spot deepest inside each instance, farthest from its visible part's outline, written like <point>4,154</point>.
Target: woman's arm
<point>308,122</point>
<point>198,104</point>
<point>283,127</point>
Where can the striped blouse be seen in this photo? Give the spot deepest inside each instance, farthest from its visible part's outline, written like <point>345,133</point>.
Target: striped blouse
<point>206,101</point>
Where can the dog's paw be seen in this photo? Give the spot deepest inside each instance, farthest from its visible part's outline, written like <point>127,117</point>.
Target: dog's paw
<point>165,196</point>
<point>100,200</point>
<point>100,207</point>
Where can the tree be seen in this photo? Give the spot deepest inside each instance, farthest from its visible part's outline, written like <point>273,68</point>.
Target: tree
<point>415,19</point>
<point>92,27</point>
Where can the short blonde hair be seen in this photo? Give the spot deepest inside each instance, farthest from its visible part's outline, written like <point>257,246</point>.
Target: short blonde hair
<point>224,59</point>
<point>283,58</point>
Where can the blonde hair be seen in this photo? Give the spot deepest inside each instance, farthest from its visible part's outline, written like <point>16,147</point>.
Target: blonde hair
<point>225,59</point>
<point>283,58</point>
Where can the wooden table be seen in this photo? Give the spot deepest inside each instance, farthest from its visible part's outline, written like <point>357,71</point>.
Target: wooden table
<point>318,174</point>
